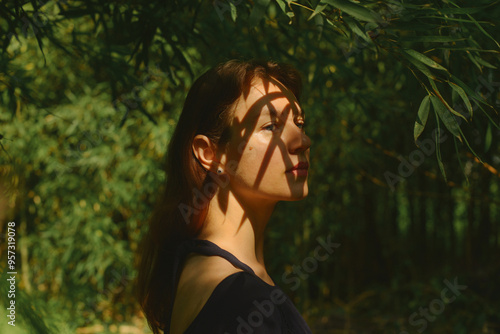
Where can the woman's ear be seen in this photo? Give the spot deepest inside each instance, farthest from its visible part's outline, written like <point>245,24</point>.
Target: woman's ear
<point>204,151</point>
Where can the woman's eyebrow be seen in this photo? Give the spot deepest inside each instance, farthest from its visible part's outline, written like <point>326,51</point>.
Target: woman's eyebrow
<point>269,109</point>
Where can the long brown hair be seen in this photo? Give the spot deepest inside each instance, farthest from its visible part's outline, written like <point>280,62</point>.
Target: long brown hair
<point>208,110</point>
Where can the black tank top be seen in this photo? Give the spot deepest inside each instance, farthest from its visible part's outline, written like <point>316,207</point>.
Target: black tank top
<point>242,302</point>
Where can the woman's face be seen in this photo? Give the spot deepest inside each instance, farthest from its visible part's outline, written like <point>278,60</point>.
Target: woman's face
<point>267,140</point>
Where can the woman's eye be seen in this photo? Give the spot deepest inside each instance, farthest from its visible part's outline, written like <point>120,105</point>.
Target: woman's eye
<point>271,127</point>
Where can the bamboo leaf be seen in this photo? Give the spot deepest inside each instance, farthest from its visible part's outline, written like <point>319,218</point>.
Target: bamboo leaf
<point>449,121</point>
<point>422,115</point>
<point>438,149</point>
<point>282,5</point>
<point>489,117</point>
<point>474,61</point>
<point>482,29</point>
<point>355,10</point>
<point>234,13</point>
<point>484,62</point>
<point>462,94</point>
<point>420,66</point>
<point>453,111</point>
<point>441,166</point>
<point>355,27</point>
<point>469,91</point>
<point>319,9</point>
<point>424,59</point>
<point>488,138</point>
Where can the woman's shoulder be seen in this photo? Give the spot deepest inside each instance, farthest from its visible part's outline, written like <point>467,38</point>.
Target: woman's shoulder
<point>244,303</point>
<point>199,277</point>
<point>211,288</point>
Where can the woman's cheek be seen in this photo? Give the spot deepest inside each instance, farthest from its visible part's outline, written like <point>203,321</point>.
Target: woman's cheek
<point>263,138</point>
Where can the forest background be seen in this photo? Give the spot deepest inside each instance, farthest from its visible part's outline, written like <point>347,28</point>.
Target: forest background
<point>401,101</point>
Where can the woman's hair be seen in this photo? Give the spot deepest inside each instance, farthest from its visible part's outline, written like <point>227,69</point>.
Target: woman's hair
<point>208,110</point>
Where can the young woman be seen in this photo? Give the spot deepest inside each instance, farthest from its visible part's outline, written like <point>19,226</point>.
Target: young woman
<point>239,147</point>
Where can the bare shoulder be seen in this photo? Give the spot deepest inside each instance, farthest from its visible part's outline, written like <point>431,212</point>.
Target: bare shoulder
<point>200,276</point>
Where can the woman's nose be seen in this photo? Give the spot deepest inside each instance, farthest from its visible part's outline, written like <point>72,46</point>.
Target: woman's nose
<point>299,141</point>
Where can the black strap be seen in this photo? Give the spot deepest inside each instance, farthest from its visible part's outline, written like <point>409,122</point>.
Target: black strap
<point>204,247</point>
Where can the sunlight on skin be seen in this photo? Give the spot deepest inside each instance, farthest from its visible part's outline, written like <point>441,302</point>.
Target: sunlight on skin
<point>273,140</point>
<point>267,139</point>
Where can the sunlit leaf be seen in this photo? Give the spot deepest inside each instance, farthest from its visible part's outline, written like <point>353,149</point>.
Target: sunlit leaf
<point>453,111</point>
<point>282,5</point>
<point>234,13</point>
<point>319,9</point>
<point>424,59</point>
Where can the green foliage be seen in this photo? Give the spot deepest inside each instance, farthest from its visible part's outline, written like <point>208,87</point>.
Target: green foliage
<point>423,114</point>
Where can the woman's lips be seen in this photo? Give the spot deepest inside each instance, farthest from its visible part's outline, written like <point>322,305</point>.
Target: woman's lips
<point>298,172</point>
<point>299,169</point>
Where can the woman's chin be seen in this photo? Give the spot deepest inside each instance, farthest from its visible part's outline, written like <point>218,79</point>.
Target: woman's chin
<point>299,194</point>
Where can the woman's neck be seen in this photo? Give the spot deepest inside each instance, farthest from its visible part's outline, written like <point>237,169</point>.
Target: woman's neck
<point>238,227</point>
